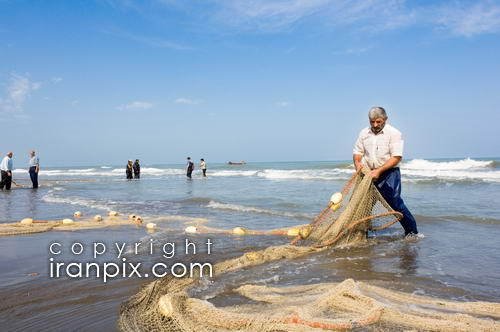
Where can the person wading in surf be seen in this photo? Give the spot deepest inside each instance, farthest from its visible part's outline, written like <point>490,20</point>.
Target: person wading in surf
<point>189,167</point>
<point>6,170</point>
<point>380,148</point>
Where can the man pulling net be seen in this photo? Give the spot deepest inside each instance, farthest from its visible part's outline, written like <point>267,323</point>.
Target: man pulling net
<point>371,199</point>
<point>380,148</point>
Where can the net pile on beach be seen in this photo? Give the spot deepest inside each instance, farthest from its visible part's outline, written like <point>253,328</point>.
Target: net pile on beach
<point>165,304</point>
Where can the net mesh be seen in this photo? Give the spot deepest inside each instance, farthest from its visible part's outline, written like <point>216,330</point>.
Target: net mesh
<point>360,209</point>
<point>39,226</point>
<point>165,304</point>
<point>21,229</point>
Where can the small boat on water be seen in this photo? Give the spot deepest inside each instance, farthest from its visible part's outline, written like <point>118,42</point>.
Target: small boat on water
<point>236,162</point>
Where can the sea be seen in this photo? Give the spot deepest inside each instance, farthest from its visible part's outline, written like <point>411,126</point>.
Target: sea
<point>456,203</point>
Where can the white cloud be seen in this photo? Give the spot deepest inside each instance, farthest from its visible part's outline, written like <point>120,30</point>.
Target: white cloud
<point>282,104</point>
<point>153,41</point>
<point>186,101</point>
<point>353,51</point>
<point>462,18</point>
<point>17,93</point>
<point>135,105</point>
<point>479,18</point>
<point>370,15</point>
<point>56,80</point>
<point>267,14</point>
<point>276,15</point>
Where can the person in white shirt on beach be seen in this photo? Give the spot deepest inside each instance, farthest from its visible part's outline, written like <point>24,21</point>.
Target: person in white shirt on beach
<point>380,148</point>
<point>203,167</point>
<point>34,168</point>
<point>6,171</point>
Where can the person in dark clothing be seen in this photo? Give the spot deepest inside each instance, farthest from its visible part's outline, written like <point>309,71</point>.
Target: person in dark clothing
<point>6,170</point>
<point>380,148</point>
<point>189,167</point>
<point>34,168</point>
<point>129,170</point>
<point>137,169</point>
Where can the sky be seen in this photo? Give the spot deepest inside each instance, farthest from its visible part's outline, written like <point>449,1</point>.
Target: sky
<point>100,82</point>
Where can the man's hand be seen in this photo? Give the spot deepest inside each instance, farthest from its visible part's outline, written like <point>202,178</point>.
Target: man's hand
<point>357,162</point>
<point>375,173</point>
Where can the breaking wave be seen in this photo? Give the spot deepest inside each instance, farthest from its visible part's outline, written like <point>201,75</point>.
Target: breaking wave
<point>459,170</point>
<point>464,164</point>
<point>251,209</point>
<point>416,170</point>
<point>51,198</point>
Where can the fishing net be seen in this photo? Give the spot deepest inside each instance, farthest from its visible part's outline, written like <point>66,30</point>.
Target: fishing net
<point>166,304</point>
<point>40,226</point>
<point>20,229</point>
<point>358,208</point>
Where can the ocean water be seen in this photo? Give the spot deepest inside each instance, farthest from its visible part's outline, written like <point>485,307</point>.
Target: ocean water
<point>456,204</point>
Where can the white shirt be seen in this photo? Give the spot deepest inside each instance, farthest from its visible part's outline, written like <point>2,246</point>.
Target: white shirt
<point>6,164</point>
<point>376,149</point>
<point>34,161</point>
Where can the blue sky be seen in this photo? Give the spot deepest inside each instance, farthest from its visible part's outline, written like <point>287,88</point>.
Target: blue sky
<point>100,82</point>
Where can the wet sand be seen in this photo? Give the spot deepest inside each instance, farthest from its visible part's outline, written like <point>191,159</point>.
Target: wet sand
<point>32,301</point>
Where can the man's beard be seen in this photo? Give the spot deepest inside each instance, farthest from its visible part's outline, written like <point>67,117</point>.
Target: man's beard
<point>378,130</point>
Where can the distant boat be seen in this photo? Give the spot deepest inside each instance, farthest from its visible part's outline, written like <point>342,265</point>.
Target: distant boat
<point>236,162</point>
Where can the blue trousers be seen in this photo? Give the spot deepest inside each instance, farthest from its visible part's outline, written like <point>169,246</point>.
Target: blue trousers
<point>389,185</point>
<point>34,176</point>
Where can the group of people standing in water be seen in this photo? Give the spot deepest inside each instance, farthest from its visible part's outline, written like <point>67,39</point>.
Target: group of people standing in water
<point>133,168</point>
<point>190,167</point>
<point>6,168</point>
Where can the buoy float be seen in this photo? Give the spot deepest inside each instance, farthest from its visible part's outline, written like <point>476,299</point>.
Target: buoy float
<point>336,198</point>
<point>97,217</point>
<point>67,221</point>
<point>77,214</point>
<point>191,229</point>
<point>239,231</point>
<point>335,207</point>
<point>305,231</point>
<point>150,225</point>
<point>27,221</point>
<point>293,231</point>
<point>166,307</point>
<point>113,213</point>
